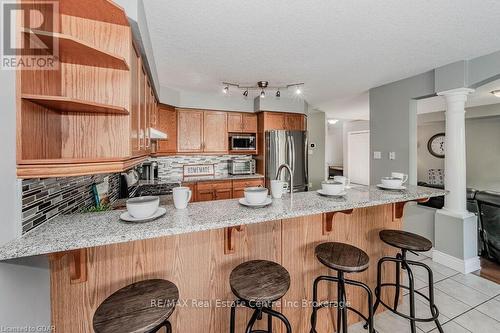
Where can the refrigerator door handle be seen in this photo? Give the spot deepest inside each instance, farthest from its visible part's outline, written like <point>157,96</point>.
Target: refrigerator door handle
<point>292,141</point>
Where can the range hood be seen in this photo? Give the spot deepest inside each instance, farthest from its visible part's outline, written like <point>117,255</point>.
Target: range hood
<point>155,134</point>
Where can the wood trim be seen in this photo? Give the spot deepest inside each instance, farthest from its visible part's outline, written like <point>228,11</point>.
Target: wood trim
<point>100,10</point>
<point>66,168</point>
<point>76,51</point>
<point>398,208</point>
<point>77,264</point>
<point>229,241</point>
<point>67,104</point>
<point>327,221</point>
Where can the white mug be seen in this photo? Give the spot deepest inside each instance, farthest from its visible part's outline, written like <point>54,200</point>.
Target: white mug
<point>278,187</point>
<point>400,175</point>
<point>341,179</point>
<point>181,195</point>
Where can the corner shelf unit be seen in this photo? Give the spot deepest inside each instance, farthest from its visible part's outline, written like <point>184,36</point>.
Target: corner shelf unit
<point>66,104</point>
<point>75,51</point>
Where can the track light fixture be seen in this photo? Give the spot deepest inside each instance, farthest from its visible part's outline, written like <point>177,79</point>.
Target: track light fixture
<point>262,86</point>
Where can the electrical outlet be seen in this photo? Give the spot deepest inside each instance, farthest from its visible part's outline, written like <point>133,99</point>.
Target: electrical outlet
<point>310,151</point>
<point>392,155</point>
<point>377,155</point>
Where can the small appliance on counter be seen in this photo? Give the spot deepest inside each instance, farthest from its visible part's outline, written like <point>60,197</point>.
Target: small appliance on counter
<point>243,142</point>
<point>241,166</point>
<point>148,170</point>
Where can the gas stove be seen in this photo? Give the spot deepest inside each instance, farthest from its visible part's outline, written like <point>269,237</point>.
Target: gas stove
<point>156,188</point>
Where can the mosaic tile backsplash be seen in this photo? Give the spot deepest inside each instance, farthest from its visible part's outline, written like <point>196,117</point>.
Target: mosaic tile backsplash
<point>44,199</point>
<point>170,168</point>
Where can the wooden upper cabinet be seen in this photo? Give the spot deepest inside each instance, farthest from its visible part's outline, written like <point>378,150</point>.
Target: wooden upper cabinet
<point>234,122</point>
<point>249,122</point>
<point>241,122</point>
<point>167,123</point>
<point>189,131</point>
<point>215,138</point>
<point>295,122</point>
<point>134,103</point>
<point>274,121</point>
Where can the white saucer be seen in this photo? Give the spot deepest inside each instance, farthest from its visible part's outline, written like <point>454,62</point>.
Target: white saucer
<point>338,195</point>
<point>399,188</point>
<point>244,202</point>
<point>129,218</point>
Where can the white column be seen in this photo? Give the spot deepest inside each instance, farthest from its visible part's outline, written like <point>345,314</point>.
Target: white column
<point>455,160</point>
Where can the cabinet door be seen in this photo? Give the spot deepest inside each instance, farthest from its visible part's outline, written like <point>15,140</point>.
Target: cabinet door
<point>274,121</point>
<point>142,107</point>
<point>205,195</point>
<point>135,104</point>
<point>295,122</point>
<point>249,123</point>
<point>225,193</point>
<point>215,138</point>
<point>167,123</point>
<point>189,131</point>
<point>234,122</point>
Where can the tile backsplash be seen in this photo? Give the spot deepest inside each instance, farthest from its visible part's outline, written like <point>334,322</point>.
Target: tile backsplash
<point>170,168</point>
<point>46,198</point>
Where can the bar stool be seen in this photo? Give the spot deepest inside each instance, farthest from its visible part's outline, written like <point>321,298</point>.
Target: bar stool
<point>406,242</point>
<point>143,307</point>
<point>258,284</point>
<point>343,258</point>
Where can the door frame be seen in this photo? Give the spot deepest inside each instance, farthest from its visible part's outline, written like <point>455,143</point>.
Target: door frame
<point>346,173</point>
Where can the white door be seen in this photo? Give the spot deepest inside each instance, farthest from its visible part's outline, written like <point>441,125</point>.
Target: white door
<point>358,157</point>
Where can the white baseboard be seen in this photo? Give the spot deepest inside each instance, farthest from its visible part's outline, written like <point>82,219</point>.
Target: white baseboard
<point>460,265</point>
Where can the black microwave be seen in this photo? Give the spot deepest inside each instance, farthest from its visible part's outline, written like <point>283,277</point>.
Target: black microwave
<point>243,142</point>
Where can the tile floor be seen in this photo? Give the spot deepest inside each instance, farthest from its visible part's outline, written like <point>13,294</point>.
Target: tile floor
<point>467,303</point>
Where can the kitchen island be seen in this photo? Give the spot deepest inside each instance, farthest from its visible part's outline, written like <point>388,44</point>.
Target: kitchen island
<point>93,255</point>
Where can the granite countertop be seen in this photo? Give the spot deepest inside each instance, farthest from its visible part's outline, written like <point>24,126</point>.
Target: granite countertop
<point>69,232</point>
<point>197,179</point>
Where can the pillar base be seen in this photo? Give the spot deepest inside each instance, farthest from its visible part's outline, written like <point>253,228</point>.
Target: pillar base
<point>455,243</point>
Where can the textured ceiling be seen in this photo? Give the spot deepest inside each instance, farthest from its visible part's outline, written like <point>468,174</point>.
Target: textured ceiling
<point>339,48</point>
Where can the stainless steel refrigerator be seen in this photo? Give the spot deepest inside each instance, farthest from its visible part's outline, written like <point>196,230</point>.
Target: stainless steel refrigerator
<point>288,147</point>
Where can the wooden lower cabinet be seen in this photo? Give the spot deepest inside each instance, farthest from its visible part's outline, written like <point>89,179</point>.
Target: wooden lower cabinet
<point>208,191</point>
<point>196,263</point>
<point>239,186</point>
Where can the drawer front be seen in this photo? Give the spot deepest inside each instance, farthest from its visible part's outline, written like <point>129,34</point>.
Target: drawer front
<point>214,185</point>
<point>241,184</point>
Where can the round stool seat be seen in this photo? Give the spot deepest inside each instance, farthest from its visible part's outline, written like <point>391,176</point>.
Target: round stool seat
<point>342,257</point>
<point>405,240</point>
<point>259,281</point>
<point>139,307</point>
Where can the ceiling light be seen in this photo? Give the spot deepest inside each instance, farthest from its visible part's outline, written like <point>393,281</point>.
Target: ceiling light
<point>225,90</point>
<point>298,91</point>
<point>262,94</point>
<point>278,94</point>
<point>496,93</point>
<point>245,93</point>
<point>332,121</point>
<point>260,88</point>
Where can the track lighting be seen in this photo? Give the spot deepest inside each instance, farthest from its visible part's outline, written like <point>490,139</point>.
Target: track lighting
<point>260,88</point>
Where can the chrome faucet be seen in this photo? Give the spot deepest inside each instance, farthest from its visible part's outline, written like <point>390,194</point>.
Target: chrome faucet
<point>278,173</point>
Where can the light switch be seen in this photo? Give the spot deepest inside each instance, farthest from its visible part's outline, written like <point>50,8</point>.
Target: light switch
<point>310,151</point>
<point>392,155</point>
<point>377,155</point>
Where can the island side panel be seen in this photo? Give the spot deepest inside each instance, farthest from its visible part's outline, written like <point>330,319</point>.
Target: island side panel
<point>195,262</point>
<point>300,237</point>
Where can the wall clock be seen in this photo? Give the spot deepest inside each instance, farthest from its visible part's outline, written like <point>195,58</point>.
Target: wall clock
<point>436,145</point>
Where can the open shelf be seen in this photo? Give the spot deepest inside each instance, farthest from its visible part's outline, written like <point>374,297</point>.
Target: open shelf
<point>75,51</point>
<point>75,167</point>
<point>100,10</point>
<point>66,104</point>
